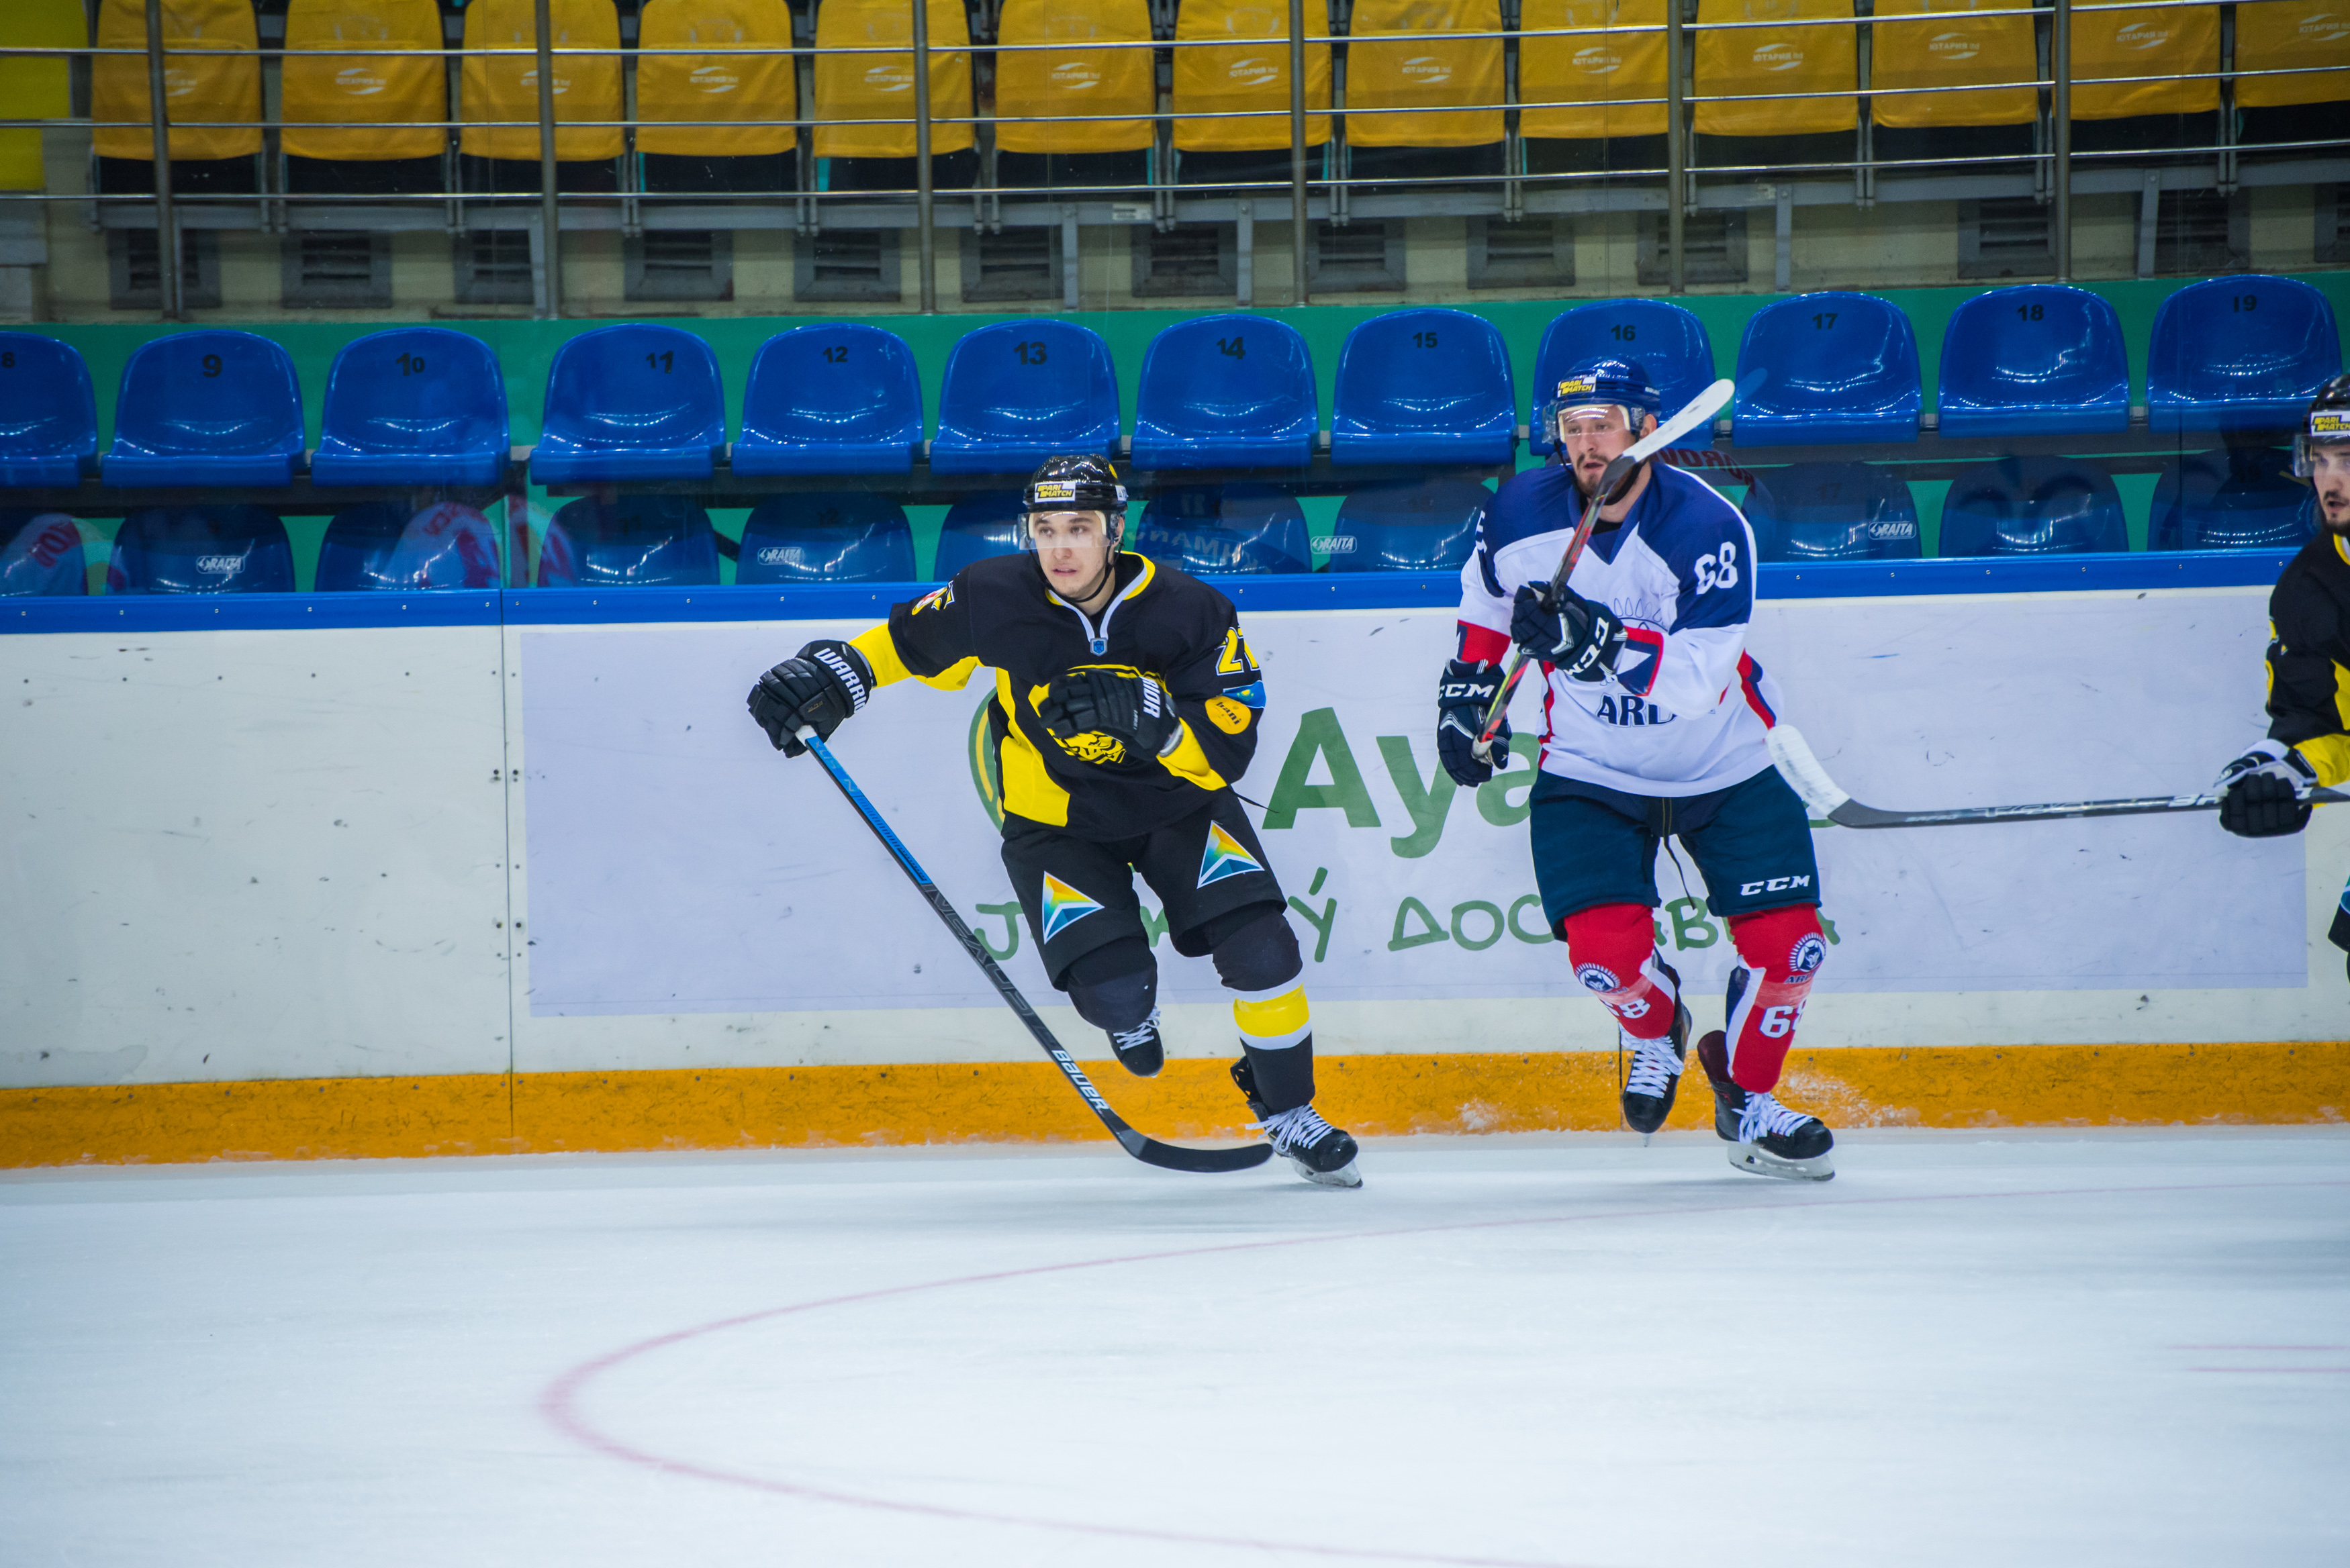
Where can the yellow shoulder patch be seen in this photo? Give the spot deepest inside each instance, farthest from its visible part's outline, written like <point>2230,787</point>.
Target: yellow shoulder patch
<point>1227,715</point>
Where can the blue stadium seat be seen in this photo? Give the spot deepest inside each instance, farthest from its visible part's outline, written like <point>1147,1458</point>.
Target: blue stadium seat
<point>1825,368</point>
<point>2041,358</point>
<point>200,550</point>
<point>632,401</point>
<point>1226,391</point>
<point>385,546</point>
<point>1664,340</point>
<point>48,415</point>
<point>416,405</point>
<point>1831,512</point>
<point>636,541</point>
<point>1424,386</point>
<point>206,407</point>
<point>2245,499</point>
<point>2032,507</point>
<point>1430,526</point>
<point>40,553</point>
<point>2239,353</point>
<point>1015,394</point>
<point>851,536</point>
<point>1225,528</point>
<point>975,527</point>
<point>836,399</point>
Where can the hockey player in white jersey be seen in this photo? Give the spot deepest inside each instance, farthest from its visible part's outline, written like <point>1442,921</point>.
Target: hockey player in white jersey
<point>1655,717</point>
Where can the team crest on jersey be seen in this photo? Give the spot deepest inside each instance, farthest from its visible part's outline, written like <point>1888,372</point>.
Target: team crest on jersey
<point>1064,907</point>
<point>1224,858</point>
<point>937,599</point>
<point>1808,956</point>
<point>1598,977</point>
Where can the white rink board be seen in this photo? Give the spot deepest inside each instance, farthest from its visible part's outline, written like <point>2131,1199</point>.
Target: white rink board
<point>285,853</point>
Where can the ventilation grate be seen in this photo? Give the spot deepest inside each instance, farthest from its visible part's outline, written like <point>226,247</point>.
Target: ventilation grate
<point>2333,223</point>
<point>1536,253</point>
<point>1359,258</point>
<point>338,270</point>
<point>135,272</point>
<point>1018,263</point>
<point>2005,238</point>
<point>1714,243</point>
<point>1190,259</point>
<point>859,264</point>
<point>681,264</point>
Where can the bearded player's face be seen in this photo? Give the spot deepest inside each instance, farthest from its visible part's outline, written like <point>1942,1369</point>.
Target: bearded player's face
<point>2329,475</point>
<point>1594,437</point>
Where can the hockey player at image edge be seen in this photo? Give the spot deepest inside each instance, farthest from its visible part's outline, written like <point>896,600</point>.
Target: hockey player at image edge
<point>1127,703</point>
<point>1654,716</point>
<point>2265,791</point>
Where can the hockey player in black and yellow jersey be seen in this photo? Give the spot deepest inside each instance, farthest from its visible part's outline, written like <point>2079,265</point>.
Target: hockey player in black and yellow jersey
<point>2266,791</point>
<point>1127,700</point>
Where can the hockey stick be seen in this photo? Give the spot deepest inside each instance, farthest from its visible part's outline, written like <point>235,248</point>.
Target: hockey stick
<point>1149,1150</point>
<point>1617,473</point>
<point>1802,770</point>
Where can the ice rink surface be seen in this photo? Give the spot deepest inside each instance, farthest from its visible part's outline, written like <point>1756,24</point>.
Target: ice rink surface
<point>2075,1348</point>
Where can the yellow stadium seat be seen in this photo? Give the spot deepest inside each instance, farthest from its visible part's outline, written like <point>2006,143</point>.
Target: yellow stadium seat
<point>1592,72</point>
<point>223,83</point>
<point>324,90</point>
<point>1050,83</point>
<point>35,88</point>
<point>1755,59</point>
<point>1950,48</point>
<point>2143,41</point>
<point>881,86</point>
<point>2271,35</point>
<point>717,86</point>
<point>1249,75</point>
<point>1423,74</point>
<point>505,86</point>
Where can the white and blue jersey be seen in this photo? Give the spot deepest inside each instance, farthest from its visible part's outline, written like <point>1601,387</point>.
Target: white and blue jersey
<point>1685,708</point>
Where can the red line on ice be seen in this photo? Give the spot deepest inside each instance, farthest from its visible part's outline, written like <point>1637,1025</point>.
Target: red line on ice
<point>559,1403</point>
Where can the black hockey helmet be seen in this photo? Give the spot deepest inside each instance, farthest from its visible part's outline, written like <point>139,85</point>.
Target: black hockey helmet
<point>1075,484</point>
<point>2327,424</point>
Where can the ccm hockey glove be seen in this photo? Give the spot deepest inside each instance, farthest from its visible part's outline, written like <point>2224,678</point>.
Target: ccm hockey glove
<point>816,687</point>
<point>1464,693</point>
<point>1577,637</point>
<point>2265,793</point>
<point>1109,714</point>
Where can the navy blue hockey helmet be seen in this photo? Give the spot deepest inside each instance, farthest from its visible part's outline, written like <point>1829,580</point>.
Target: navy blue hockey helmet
<point>1603,383</point>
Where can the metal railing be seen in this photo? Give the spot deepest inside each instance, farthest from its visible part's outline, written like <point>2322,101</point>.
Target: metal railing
<point>1516,190</point>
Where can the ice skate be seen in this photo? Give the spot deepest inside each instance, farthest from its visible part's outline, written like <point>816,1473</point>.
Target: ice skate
<point>1655,1071</point>
<point>1766,1137</point>
<point>1138,1049</point>
<point>1319,1152</point>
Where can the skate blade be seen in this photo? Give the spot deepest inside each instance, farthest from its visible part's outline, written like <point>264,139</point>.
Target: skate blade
<point>1758,1161</point>
<point>1344,1175</point>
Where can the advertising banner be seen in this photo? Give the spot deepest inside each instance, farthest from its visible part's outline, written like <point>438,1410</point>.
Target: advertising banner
<point>676,864</point>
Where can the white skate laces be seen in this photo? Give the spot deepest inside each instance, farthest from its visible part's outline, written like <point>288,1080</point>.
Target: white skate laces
<point>1653,1068</point>
<point>1299,1127</point>
<point>1140,1035</point>
<point>1766,1117</point>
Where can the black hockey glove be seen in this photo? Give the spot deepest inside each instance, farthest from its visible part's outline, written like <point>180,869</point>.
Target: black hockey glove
<point>2265,793</point>
<point>1109,714</point>
<point>1579,637</point>
<point>1464,693</point>
<point>816,687</point>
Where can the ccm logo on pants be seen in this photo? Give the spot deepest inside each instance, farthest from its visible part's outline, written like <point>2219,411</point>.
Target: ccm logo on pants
<point>1775,885</point>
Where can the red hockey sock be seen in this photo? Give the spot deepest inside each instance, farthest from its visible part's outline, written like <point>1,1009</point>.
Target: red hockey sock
<point>1783,949</point>
<point>1613,950</point>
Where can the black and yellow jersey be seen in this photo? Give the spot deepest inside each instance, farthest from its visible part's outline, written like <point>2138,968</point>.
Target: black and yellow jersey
<point>2309,657</point>
<point>1001,612</point>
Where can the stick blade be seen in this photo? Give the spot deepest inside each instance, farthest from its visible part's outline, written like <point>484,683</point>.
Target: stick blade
<point>1208,1161</point>
<point>1792,756</point>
